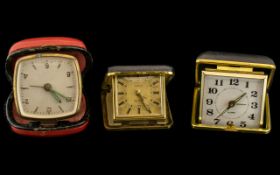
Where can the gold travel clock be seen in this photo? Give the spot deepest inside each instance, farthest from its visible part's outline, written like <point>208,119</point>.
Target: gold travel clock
<point>231,92</point>
<point>134,97</point>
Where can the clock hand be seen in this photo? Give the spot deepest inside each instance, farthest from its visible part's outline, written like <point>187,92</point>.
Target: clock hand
<point>224,111</point>
<point>37,86</point>
<point>55,97</point>
<point>231,104</point>
<point>138,93</point>
<point>239,98</point>
<point>48,87</point>
<point>59,94</point>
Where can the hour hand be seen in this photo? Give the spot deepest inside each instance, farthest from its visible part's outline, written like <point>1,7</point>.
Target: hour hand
<point>36,86</point>
<point>138,93</point>
<point>47,87</point>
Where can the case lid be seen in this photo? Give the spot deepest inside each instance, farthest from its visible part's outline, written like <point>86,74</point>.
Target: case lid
<point>147,68</point>
<point>236,57</point>
<point>66,45</point>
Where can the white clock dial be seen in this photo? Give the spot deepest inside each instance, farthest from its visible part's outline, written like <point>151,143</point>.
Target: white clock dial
<point>232,99</point>
<point>47,86</point>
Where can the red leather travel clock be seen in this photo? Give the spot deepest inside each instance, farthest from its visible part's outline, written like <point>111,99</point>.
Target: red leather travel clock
<point>47,98</point>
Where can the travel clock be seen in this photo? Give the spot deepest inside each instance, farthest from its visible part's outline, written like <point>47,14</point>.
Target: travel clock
<point>134,97</point>
<point>231,92</point>
<point>47,98</point>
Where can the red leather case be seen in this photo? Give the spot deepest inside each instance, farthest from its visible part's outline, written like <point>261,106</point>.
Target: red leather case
<point>71,125</point>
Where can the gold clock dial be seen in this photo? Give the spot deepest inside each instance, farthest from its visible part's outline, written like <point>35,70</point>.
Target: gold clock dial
<point>138,96</point>
<point>134,97</point>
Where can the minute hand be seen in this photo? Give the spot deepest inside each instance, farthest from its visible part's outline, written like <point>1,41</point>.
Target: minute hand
<point>231,104</point>
<point>138,93</point>
<point>239,98</point>
<point>59,94</point>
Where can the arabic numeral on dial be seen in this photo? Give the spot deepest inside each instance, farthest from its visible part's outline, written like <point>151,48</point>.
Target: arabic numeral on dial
<point>252,117</point>
<point>254,105</point>
<point>234,82</point>
<point>49,110</point>
<point>213,91</point>
<point>219,82</point>
<point>243,124</point>
<point>24,75</point>
<point>68,74</point>
<point>247,84</point>
<point>216,121</point>
<point>69,99</point>
<point>26,101</point>
<point>209,101</point>
<point>254,94</point>
<point>209,112</point>
<point>230,123</point>
<point>47,65</point>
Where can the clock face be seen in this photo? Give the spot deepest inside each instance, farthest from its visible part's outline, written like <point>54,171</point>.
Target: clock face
<point>139,96</point>
<point>232,99</point>
<point>47,86</point>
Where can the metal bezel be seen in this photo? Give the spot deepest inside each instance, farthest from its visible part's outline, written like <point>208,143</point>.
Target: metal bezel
<point>46,117</point>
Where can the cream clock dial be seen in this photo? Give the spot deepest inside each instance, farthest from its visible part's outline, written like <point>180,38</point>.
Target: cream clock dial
<point>232,100</point>
<point>47,86</point>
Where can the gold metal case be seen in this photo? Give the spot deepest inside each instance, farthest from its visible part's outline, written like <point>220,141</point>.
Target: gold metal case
<point>234,65</point>
<point>150,117</point>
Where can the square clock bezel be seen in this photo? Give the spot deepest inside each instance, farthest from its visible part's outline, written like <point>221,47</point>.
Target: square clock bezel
<point>16,87</point>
